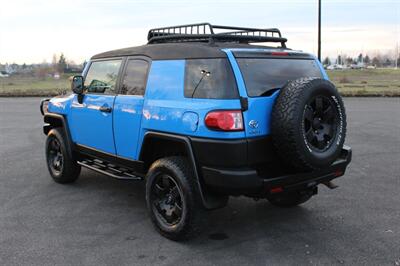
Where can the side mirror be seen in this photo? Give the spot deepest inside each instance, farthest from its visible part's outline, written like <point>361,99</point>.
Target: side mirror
<point>77,84</point>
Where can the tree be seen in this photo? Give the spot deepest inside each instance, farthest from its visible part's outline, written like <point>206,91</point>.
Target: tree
<point>367,60</point>
<point>62,63</point>
<point>349,60</point>
<point>42,71</point>
<point>376,62</point>
<point>326,61</point>
<point>387,62</point>
<point>339,60</point>
<point>360,58</point>
<point>54,61</point>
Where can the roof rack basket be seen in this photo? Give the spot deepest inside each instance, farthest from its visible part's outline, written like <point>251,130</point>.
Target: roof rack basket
<point>205,32</point>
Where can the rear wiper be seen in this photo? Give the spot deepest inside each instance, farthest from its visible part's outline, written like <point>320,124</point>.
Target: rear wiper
<point>204,74</point>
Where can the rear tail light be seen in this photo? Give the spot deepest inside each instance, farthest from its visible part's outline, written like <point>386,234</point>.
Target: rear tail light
<point>227,120</point>
<point>276,190</point>
<point>338,173</point>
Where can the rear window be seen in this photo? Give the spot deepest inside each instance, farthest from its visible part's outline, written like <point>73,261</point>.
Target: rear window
<point>261,75</point>
<point>209,79</point>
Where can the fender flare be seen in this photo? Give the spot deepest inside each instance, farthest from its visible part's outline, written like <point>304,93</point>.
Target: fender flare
<point>209,201</point>
<point>52,120</point>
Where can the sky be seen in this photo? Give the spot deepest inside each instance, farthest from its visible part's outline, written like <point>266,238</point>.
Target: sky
<point>32,31</point>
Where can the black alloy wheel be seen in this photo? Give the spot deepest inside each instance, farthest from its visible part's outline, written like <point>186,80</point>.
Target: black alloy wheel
<point>62,166</point>
<point>320,123</point>
<point>166,198</point>
<point>55,157</point>
<point>173,198</point>
<point>308,124</point>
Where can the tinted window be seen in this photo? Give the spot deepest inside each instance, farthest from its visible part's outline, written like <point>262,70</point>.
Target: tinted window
<point>263,74</point>
<point>134,80</point>
<point>102,76</point>
<point>209,78</point>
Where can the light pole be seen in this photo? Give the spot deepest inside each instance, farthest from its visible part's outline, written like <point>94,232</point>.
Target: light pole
<point>319,30</point>
<point>396,56</point>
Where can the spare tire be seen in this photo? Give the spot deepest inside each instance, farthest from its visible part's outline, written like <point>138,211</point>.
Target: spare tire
<point>308,124</point>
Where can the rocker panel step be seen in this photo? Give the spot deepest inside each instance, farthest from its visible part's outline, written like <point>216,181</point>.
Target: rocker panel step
<point>109,169</point>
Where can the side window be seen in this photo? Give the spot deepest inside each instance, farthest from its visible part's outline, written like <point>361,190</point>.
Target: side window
<point>102,76</point>
<point>210,79</point>
<point>134,80</point>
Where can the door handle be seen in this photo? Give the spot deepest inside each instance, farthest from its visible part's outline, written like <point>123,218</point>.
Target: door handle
<point>105,109</point>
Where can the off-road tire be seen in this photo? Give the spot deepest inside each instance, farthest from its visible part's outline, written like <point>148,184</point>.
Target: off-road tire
<point>69,170</point>
<point>193,212</point>
<point>287,124</point>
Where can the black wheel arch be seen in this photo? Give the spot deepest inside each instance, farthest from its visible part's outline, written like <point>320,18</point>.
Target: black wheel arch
<point>159,144</point>
<point>53,120</point>
<point>154,146</point>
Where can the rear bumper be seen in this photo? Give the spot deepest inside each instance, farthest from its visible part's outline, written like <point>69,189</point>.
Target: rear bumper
<point>248,181</point>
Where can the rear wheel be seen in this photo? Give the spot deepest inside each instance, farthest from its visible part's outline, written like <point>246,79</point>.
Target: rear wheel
<point>62,167</point>
<point>173,199</point>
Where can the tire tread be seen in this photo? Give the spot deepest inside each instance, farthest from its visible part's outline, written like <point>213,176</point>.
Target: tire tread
<point>285,128</point>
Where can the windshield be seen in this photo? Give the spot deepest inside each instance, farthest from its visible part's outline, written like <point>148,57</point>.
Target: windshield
<point>261,75</point>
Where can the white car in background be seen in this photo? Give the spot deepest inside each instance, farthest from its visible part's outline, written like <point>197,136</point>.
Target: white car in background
<point>335,67</point>
<point>4,74</point>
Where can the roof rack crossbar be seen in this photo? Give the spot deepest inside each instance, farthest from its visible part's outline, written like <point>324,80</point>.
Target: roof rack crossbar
<point>205,32</point>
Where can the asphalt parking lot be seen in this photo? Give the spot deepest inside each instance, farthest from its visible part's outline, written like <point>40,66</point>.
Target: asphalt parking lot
<point>102,221</point>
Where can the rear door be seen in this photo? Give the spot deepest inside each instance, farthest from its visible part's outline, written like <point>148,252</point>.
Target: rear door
<point>91,121</point>
<point>263,78</point>
<point>128,107</point>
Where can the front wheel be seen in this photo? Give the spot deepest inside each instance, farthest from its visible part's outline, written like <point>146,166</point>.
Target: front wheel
<point>62,167</point>
<point>172,198</point>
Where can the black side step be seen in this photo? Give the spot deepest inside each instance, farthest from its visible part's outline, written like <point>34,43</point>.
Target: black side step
<point>109,169</point>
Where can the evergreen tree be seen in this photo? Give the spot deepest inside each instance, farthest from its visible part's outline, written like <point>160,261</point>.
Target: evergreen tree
<point>360,58</point>
<point>62,63</point>
<point>376,62</point>
<point>339,60</point>
<point>326,61</point>
<point>367,60</point>
<point>387,62</point>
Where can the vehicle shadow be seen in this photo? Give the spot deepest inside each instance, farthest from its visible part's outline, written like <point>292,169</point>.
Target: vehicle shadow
<point>243,217</point>
<point>244,222</point>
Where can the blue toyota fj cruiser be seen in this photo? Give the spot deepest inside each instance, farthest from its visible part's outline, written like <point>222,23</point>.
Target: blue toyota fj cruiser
<point>200,114</point>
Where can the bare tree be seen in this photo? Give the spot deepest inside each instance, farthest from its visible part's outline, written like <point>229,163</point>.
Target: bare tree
<point>54,63</point>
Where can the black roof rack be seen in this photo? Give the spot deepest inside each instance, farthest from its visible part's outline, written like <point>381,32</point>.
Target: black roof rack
<point>205,32</point>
